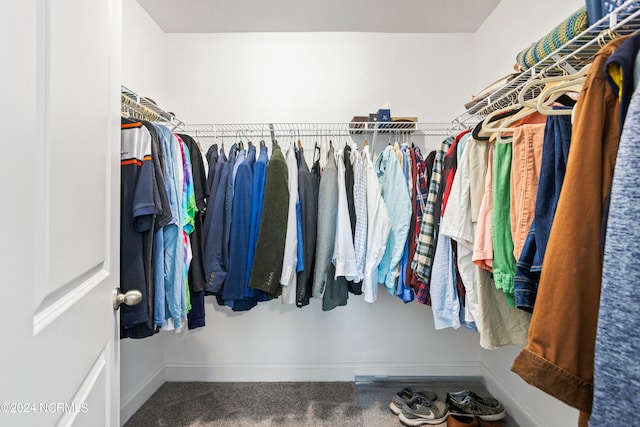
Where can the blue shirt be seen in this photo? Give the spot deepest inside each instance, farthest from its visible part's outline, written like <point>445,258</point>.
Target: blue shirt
<point>257,197</point>
<point>240,229</point>
<point>404,291</point>
<point>396,198</point>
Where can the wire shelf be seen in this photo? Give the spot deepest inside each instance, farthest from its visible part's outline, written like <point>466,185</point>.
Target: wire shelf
<point>568,59</point>
<point>139,107</point>
<point>281,130</point>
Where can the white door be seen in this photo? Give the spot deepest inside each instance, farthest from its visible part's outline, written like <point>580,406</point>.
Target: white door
<point>59,215</point>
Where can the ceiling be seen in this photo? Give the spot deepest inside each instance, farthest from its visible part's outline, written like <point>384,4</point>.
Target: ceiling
<point>383,16</point>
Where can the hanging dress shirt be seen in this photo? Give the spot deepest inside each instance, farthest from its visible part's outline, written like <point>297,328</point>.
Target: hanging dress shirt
<point>344,257</point>
<point>378,229</point>
<point>396,197</point>
<point>360,201</point>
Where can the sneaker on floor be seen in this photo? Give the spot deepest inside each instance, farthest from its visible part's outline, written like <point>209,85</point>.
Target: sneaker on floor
<point>406,394</point>
<point>467,403</point>
<point>420,411</point>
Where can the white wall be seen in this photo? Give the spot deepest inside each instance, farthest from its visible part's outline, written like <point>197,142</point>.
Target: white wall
<point>142,372</point>
<point>143,53</point>
<point>284,343</point>
<point>317,77</point>
<point>528,405</point>
<point>513,26</point>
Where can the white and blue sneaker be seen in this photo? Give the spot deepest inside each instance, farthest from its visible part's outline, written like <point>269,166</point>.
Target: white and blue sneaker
<point>420,411</point>
<point>403,396</point>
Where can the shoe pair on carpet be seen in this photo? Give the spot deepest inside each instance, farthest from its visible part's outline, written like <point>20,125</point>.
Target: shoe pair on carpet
<point>416,408</point>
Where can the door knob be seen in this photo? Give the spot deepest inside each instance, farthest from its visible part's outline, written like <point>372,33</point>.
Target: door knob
<point>132,297</point>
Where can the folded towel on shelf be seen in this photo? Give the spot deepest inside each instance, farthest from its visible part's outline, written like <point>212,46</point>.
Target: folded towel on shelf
<point>558,37</point>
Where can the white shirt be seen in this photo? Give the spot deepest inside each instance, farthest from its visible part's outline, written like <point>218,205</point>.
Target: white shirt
<point>378,229</point>
<point>288,276</point>
<point>344,256</point>
<point>457,224</point>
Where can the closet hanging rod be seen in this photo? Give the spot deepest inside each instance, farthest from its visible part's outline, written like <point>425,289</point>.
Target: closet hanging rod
<point>284,130</point>
<point>571,57</point>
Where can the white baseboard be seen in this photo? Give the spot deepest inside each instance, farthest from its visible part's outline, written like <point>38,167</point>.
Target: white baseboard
<point>315,372</point>
<point>130,404</point>
<point>499,390</point>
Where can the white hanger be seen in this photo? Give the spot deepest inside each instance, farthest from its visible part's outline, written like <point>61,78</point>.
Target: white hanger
<point>549,95</point>
<point>533,103</point>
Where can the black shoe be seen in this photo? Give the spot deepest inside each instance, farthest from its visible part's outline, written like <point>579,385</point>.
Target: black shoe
<point>467,403</point>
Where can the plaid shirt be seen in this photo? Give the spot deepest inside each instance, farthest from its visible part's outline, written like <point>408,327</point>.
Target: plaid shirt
<point>360,199</point>
<point>426,245</point>
<point>419,199</point>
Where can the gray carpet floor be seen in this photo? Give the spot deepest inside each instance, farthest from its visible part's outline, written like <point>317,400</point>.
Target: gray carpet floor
<point>291,404</point>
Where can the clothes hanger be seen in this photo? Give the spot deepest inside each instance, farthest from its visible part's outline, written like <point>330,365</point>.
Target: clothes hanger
<point>262,143</point>
<point>495,115</point>
<point>550,95</point>
<point>532,102</point>
<point>498,116</point>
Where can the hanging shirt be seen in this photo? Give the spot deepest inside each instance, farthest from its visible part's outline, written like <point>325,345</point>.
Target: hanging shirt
<point>360,201</point>
<point>344,257</point>
<point>504,264</point>
<point>403,290</point>
<point>444,295</point>
<point>289,263</point>
<point>349,183</point>
<point>396,198</point>
<point>137,212</point>
<point>457,223</point>
<point>163,217</point>
<point>257,199</point>
<point>189,210</point>
<point>196,276</point>
<point>172,232</point>
<point>308,196</point>
<point>423,178</point>
<point>378,229</point>
<point>483,244</point>
<point>240,229</point>
<point>426,245</point>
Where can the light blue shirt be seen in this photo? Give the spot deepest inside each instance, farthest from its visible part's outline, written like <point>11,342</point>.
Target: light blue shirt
<point>395,194</point>
<point>169,295</point>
